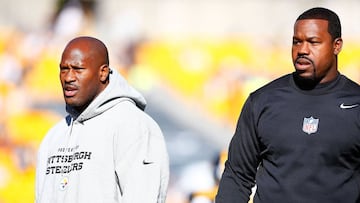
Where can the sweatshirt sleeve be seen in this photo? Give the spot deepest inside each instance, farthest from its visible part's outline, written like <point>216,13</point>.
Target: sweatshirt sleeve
<point>40,172</point>
<point>243,159</point>
<point>41,166</point>
<point>142,170</point>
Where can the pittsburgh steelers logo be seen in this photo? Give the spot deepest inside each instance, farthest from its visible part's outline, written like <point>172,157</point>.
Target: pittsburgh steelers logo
<point>64,183</point>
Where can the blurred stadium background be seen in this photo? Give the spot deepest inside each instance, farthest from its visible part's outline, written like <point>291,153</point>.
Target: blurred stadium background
<point>195,62</point>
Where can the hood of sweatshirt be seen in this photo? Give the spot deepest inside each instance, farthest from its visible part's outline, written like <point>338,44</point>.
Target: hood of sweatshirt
<point>117,91</point>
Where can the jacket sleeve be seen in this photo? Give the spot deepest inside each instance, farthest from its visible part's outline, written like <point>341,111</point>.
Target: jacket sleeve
<point>142,170</point>
<point>41,167</point>
<point>40,172</point>
<point>238,177</point>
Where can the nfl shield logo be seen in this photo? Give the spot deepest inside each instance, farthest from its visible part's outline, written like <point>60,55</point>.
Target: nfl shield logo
<point>310,125</point>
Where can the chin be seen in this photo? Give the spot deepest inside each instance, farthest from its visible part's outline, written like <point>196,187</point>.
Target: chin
<point>305,81</point>
<point>304,75</point>
<point>306,78</point>
<point>71,103</point>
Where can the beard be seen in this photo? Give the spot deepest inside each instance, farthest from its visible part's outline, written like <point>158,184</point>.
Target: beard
<point>306,83</point>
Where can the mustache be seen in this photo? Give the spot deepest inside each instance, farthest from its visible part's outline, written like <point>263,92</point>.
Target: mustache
<point>70,86</point>
<point>304,57</point>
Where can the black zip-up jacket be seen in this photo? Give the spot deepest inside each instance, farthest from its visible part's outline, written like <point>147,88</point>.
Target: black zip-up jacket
<point>298,146</point>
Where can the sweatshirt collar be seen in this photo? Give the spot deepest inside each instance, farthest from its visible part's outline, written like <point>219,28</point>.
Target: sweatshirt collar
<point>320,88</point>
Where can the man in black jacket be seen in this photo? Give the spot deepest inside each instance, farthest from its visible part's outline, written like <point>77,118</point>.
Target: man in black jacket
<point>298,137</point>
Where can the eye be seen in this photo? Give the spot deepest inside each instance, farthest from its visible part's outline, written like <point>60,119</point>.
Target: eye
<point>296,42</point>
<point>63,68</point>
<point>78,68</point>
<point>315,42</point>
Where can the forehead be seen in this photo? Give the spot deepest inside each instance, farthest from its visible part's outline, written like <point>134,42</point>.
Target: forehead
<point>73,55</point>
<point>311,27</point>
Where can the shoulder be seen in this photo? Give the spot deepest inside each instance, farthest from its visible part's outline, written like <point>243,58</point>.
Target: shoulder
<point>277,84</point>
<point>128,115</point>
<point>350,84</point>
<point>127,109</point>
<point>60,126</point>
<point>52,135</point>
<point>124,111</point>
<point>135,125</point>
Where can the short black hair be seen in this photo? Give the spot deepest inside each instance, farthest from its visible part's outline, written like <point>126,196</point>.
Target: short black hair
<point>334,25</point>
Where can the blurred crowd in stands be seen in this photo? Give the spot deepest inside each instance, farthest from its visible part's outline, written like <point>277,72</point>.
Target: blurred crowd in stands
<point>214,74</point>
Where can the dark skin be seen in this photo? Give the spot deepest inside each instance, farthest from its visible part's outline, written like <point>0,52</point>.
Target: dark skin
<point>314,52</point>
<point>84,71</point>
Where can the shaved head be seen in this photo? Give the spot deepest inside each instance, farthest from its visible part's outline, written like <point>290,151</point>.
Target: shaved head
<point>84,71</point>
<point>92,46</point>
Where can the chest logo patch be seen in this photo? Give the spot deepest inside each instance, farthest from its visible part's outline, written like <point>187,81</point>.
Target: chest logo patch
<point>64,183</point>
<point>343,106</point>
<point>310,125</point>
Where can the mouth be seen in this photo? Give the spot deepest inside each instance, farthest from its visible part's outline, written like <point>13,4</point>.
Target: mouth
<point>302,63</point>
<point>70,91</point>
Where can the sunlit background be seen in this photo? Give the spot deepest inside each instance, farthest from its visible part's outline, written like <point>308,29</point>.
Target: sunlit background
<point>195,61</point>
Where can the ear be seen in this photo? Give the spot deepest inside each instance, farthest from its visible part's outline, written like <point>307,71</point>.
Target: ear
<point>338,42</point>
<point>104,73</point>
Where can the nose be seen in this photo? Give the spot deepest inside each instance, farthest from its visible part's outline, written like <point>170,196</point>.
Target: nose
<point>69,75</point>
<point>303,49</point>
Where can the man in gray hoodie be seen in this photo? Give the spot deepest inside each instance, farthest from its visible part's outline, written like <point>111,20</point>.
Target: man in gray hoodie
<point>107,149</point>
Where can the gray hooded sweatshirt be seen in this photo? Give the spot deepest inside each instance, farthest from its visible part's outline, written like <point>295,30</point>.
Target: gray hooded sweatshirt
<point>111,152</point>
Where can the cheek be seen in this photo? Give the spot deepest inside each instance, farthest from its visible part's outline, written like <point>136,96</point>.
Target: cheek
<point>90,88</point>
<point>293,54</point>
<point>323,63</point>
<point>323,57</point>
<point>61,79</point>
<point>86,80</point>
